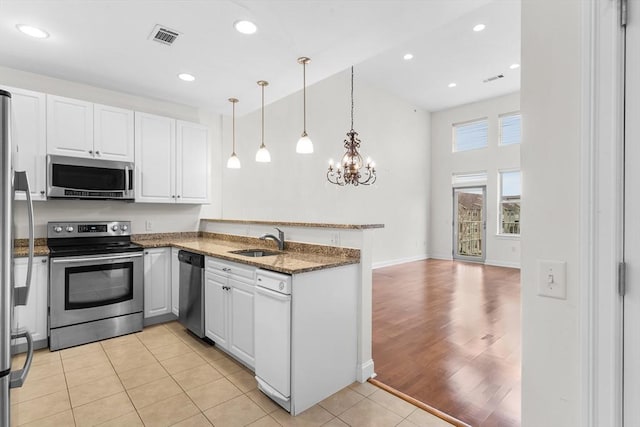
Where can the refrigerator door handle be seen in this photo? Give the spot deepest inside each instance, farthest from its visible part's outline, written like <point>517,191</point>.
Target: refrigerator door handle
<point>21,183</point>
<point>18,377</point>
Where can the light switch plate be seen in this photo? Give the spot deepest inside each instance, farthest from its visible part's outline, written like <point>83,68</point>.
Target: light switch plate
<point>552,279</point>
<point>148,225</point>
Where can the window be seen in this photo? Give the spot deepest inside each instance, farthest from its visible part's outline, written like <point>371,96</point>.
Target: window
<point>470,135</point>
<point>509,203</point>
<point>510,129</point>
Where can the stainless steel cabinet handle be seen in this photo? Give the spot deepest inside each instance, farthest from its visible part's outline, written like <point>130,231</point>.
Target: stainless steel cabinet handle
<point>98,153</point>
<point>42,192</point>
<point>178,196</point>
<point>44,260</point>
<point>90,151</point>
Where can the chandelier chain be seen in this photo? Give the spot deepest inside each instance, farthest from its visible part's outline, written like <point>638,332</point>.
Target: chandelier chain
<point>262,86</point>
<point>304,96</point>
<point>352,98</point>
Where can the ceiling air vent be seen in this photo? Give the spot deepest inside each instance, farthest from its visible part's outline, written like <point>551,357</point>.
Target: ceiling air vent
<point>492,78</point>
<point>164,35</point>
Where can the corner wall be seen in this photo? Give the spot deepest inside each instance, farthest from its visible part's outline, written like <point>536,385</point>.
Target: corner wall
<point>293,187</point>
<point>500,250</point>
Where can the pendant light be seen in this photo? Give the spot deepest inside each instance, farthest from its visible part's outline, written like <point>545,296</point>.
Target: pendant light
<point>304,145</point>
<point>234,161</point>
<point>355,171</point>
<point>263,155</point>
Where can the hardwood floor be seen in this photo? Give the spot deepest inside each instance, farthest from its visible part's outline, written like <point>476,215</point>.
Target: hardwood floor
<point>448,334</point>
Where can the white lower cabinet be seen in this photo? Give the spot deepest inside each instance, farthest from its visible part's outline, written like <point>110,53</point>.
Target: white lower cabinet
<point>33,316</point>
<point>157,282</point>
<point>229,307</point>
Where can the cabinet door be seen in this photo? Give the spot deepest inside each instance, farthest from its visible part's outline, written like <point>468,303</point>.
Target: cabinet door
<point>175,282</point>
<point>29,138</point>
<point>215,303</point>
<point>192,163</point>
<point>69,127</point>
<point>157,282</point>
<point>113,133</point>
<point>241,335</point>
<point>33,316</point>
<point>155,162</point>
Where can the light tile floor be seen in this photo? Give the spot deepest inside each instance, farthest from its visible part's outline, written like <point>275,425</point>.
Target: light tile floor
<point>163,376</point>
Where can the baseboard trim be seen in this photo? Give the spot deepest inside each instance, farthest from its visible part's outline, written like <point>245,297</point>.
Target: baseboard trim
<point>441,257</point>
<point>365,371</point>
<point>391,262</point>
<point>163,318</point>
<point>415,402</point>
<point>497,263</point>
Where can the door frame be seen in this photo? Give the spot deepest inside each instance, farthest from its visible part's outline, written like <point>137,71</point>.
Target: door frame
<point>601,223</point>
<point>454,244</point>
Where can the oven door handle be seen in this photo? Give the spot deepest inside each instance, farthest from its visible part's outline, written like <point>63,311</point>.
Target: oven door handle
<point>91,259</point>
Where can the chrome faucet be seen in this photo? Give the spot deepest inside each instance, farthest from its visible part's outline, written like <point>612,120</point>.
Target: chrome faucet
<point>279,240</point>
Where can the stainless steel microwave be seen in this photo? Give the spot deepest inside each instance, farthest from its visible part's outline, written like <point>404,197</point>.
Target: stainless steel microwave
<point>93,179</point>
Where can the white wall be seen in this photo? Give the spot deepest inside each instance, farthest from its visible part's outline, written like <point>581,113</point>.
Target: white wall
<point>500,250</point>
<point>165,217</point>
<point>551,105</point>
<point>294,187</point>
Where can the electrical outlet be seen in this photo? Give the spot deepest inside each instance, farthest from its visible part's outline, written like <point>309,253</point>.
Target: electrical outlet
<point>552,279</point>
<point>335,239</point>
<point>148,225</point>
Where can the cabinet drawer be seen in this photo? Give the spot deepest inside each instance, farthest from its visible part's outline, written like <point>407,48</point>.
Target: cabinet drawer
<point>239,271</point>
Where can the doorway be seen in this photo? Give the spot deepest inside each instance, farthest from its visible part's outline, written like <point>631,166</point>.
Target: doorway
<point>469,223</point>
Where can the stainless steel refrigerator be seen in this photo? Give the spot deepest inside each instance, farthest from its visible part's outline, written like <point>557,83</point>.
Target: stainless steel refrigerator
<point>10,295</point>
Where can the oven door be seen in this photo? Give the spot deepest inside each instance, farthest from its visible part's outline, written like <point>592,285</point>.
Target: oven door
<point>86,288</point>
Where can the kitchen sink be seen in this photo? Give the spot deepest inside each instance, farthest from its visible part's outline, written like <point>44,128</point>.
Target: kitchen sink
<point>255,253</point>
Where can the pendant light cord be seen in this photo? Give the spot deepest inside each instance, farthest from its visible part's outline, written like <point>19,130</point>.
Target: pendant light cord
<point>304,96</point>
<point>233,127</point>
<point>352,98</point>
<point>262,145</point>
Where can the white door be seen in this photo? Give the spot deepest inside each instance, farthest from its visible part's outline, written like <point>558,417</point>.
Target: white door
<point>157,282</point>
<point>155,143</point>
<point>69,127</point>
<point>241,323</point>
<point>113,133</point>
<point>192,163</point>
<point>29,138</point>
<point>632,224</point>
<point>215,300</point>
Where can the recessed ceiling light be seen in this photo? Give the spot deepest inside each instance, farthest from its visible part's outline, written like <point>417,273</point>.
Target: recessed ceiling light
<point>479,27</point>
<point>452,84</point>
<point>245,27</point>
<point>514,66</point>
<point>32,31</point>
<point>186,77</point>
<point>408,56</point>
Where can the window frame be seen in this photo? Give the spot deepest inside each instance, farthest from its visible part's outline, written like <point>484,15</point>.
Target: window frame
<point>502,200</point>
<point>500,117</point>
<point>454,148</point>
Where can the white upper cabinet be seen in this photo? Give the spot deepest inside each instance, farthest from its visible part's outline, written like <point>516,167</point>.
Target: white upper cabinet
<point>192,165</point>
<point>172,160</point>
<point>155,163</point>
<point>69,127</point>
<point>113,133</point>
<point>82,129</point>
<point>29,138</point>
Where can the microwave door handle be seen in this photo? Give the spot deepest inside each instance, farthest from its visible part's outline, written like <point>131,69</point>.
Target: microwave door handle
<point>126,178</point>
<point>21,183</point>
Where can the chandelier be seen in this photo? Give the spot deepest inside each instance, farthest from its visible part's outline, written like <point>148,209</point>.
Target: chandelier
<point>352,169</point>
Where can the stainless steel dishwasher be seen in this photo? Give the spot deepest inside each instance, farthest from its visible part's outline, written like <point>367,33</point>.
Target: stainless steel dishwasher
<point>191,297</point>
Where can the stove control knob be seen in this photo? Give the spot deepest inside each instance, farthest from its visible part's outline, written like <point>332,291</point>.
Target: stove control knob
<point>57,229</point>
<point>114,227</point>
<point>124,228</point>
<point>69,228</point>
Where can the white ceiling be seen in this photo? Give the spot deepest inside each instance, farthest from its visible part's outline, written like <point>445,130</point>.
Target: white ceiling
<point>106,43</point>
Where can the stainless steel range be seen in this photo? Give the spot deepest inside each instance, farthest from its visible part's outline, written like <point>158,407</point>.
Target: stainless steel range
<point>95,282</point>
